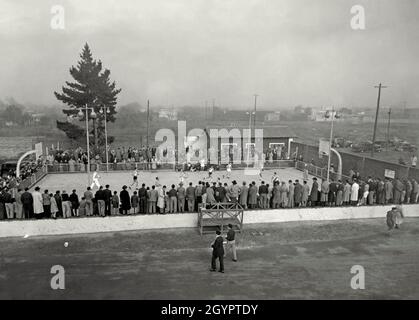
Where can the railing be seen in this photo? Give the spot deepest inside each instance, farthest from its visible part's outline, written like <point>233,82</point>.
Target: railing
<point>320,172</point>
<point>33,179</point>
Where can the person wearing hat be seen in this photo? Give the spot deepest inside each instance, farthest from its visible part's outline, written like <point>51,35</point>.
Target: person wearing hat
<point>125,200</point>
<point>231,241</point>
<point>217,252</point>
<point>181,194</point>
<point>314,194</point>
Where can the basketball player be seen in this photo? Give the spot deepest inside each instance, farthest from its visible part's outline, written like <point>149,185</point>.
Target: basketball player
<point>157,182</point>
<point>134,179</point>
<point>275,178</point>
<point>183,175</point>
<point>228,169</point>
<point>210,171</point>
<point>202,162</point>
<point>95,179</point>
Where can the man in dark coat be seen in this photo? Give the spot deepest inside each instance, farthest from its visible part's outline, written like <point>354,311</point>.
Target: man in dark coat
<point>125,200</point>
<point>27,204</point>
<point>74,199</point>
<point>59,201</point>
<point>142,194</point>
<point>298,193</point>
<point>333,190</point>
<point>107,195</point>
<point>314,194</point>
<point>217,252</point>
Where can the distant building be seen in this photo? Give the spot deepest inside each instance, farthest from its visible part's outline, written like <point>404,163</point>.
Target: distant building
<point>273,116</point>
<point>169,114</point>
<point>324,115</point>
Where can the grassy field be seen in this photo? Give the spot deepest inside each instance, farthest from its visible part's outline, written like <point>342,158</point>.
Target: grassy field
<point>305,260</point>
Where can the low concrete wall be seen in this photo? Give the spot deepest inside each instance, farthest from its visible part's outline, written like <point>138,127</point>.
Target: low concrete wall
<point>187,220</point>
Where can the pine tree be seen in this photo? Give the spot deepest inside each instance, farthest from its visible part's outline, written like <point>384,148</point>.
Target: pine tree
<point>94,88</point>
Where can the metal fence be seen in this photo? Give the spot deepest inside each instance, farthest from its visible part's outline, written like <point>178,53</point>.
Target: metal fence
<point>320,172</point>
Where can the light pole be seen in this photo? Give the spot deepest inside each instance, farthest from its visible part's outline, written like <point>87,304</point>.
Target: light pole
<point>250,134</point>
<point>93,116</point>
<point>105,110</point>
<point>334,115</point>
<point>254,112</point>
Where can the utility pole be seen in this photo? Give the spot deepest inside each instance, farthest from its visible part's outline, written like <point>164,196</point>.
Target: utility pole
<point>213,106</point>
<point>148,119</point>
<point>388,129</point>
<point>376,117</point>
<point>254,117</point>
<point>206,112</point>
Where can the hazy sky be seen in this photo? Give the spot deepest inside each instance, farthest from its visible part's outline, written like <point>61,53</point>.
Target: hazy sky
<point>183,52</point>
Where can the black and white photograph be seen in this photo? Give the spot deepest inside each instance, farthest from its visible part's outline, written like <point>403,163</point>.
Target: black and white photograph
<point>216,152</point>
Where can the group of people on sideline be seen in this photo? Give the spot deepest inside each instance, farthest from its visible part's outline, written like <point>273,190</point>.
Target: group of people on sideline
<point>157,198</point>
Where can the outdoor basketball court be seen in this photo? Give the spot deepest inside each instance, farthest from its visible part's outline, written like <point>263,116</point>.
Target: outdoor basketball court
<point>307,260</point>
<point>78,181</point>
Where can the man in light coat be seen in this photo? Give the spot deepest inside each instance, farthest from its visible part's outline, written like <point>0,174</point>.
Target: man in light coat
<point>38,207</point>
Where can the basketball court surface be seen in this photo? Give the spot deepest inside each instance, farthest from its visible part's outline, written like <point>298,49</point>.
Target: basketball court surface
<point>78,181</point>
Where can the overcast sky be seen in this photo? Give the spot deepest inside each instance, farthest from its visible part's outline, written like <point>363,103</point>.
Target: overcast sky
<point>183,52</point>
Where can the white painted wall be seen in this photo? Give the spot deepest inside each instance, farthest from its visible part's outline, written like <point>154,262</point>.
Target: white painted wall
<point>20,228</point>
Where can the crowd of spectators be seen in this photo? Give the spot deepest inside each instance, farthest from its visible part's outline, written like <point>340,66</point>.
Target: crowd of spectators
<point>156,198</point>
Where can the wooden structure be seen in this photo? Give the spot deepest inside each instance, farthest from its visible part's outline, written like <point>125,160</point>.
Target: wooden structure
<point>219,215</point>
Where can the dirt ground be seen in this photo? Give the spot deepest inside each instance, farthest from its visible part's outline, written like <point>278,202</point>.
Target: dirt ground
<point>304,260</point>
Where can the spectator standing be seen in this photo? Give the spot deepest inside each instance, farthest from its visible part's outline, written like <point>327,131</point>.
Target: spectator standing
<point>388,191</point>
<point>161,201</point>
<point>324,192</point>
<point>306,192</point>
<point>74,200</point>
<point>88,196</point>
<point>100,199</point>
<point>172,194</point>
<point>142,194</point>
<point>59,202</point>
<point>54,207</point>
<point>107,195</point>
<point>125,200</point>
<point>115,204</point>
<point>263,193</point>
<point>27,204</point>
<point>46,202</point>
<point>181,194</point>
<point>190,197</point>
<point>276,196</point>
<point>298,193</point>
<point>66,205</point>
<point>253,195</point>
<point>135,201</point>
<point>8,203</point>
<point>291,191</point>
<point>244,192</point>
<point>154,196</point>
<point>38,208</point>
<point>314,194</point>
<point>354,192</point>
<point>18,204</point>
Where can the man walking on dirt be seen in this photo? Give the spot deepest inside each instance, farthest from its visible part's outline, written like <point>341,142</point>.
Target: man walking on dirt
<point>217,252</point>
